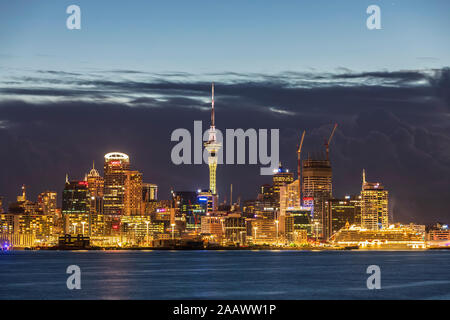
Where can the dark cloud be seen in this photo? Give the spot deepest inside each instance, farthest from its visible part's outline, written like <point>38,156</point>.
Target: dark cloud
<point>393,124</point>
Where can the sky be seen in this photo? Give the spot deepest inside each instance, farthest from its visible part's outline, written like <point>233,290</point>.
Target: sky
<point>135,72</point>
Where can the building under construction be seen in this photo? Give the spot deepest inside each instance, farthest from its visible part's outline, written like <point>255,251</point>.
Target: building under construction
<point>317,191</point>
<point>316,176</point>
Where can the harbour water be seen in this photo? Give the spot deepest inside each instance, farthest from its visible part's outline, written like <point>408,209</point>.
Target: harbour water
<point>225,274</point>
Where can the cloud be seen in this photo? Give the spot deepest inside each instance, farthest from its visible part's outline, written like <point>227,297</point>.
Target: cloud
<point>393,124</point>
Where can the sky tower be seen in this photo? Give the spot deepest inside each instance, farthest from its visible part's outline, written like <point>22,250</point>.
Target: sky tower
<point>213,147</point>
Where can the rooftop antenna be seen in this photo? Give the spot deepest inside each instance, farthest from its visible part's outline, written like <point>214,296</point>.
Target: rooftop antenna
<point>212,105</point>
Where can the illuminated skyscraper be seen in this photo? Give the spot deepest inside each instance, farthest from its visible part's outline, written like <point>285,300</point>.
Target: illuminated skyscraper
<point>115,168</point>
<point>340,212</point>
<point>96,185</point>
<point>133,203</point>
<point>76,198</point>
<point>374,206</point>
<point>213,147</point>
<point>281,177</point>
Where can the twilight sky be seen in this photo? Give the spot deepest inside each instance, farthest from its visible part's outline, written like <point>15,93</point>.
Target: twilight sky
<point>137,71</point>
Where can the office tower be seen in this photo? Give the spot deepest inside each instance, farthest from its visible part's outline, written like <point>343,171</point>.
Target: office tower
<point>207,201</point>
<point>191,207</point>
<point>317,190</point>
<point>341,212</point>
<point>115,168</point>
<point>133,204</point>
<point>281,177</point>
<point>48,202</point>
<point>149,192</point>
<point>374,206</point>
<point>235,228</point>
<point>75,198</point>
<point>289,197</point>
<point>213,147</point>
<point>213,227</point>
<point>96,185</point>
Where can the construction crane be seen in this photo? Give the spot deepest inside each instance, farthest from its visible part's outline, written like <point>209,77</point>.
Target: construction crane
<point>327,142</point>
<point>299,167</point>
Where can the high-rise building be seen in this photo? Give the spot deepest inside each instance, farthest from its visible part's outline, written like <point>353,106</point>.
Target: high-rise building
<point>96,185</point>
<point>48,202</point>
<point>289,197</point>
<point>281,177</point>
<point>75,198</point>
<point>213,147</point>
<point>133,204</point>
<point>340,212</point>
<point>317,190</point>
<point>266,193</point>
<point>115,168</point>
<point>374,206</point>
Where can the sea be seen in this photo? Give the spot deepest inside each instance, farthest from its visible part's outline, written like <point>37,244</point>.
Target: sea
<point>242,274</point>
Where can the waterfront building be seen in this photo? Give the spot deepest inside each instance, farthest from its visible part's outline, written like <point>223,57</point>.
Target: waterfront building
<point>213,227</point>
<point>235,228</point>
<point>438,235</point>
<point>39,225</point>
<point>374,205</point>
<point>262,230</point>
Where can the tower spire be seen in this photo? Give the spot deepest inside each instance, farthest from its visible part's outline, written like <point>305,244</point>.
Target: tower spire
<point>364,176</point>
<point>212,105</point>
<point>213,147</point>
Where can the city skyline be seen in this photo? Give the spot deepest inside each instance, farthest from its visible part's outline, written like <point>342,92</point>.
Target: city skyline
<point>70,96</point>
